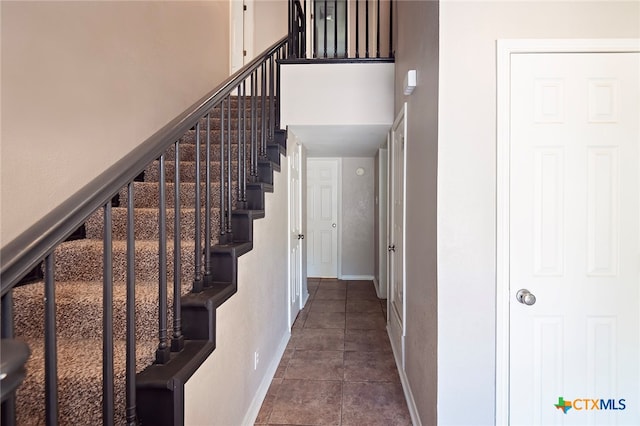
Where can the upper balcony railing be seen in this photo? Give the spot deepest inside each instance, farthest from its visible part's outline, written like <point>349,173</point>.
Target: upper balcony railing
<point>341,29</point>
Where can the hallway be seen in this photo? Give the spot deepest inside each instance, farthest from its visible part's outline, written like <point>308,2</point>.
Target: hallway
<point>338,368</point>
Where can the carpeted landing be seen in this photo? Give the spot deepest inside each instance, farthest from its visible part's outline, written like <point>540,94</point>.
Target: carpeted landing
<point>78,276</point>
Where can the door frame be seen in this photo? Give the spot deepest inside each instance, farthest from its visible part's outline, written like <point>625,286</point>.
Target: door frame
<point>295,153</point>
<point>392,260</point>
<point>235,7</point>
<point>504,49</point>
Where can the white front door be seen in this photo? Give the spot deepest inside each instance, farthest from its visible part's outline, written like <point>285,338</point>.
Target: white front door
<point>396,282</point>
<point>295,234</point>
<point>574,239</point>
<point>322,217</point>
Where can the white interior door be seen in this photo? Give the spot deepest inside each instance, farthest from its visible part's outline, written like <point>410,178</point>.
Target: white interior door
<point>241,34</point>
<point>322,217</point>
<point>396,281</point>
<point>574,239</point>
<point>295,234</point>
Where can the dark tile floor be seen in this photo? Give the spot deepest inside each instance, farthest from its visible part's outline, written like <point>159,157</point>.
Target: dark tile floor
<point>338,368</point>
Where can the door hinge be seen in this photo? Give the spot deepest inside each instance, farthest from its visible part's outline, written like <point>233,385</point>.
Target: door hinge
<point>244,53</point>
<point>244,7</point>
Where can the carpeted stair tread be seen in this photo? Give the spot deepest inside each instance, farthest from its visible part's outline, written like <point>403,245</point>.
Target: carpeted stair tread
<point>81,260</point>
<point>79,381</point>
<point>79,309</point>
<point>146,223</point>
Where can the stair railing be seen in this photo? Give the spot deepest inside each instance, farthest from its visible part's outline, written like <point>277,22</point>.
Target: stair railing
<point>342,29</point>
<point>253,92</point>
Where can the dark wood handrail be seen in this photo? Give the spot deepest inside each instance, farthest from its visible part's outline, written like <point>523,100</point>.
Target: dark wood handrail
<point>23,253</point>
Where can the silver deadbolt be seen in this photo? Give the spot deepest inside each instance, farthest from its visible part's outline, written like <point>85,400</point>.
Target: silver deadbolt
<point>525,297</point>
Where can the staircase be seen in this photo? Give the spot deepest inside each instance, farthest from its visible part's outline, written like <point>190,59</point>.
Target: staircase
<point>245,151</point>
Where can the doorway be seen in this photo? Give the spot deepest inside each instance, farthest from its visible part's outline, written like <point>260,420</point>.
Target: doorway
<point>241,34</point>
<point>396,232</point>
<point>323,189</point>
<point>568,292</point>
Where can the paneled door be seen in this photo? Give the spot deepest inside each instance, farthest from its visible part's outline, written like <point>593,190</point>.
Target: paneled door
<point>396,229</point>
<point>574,239</point>
<point>322,217</point>
<point>295,233</point>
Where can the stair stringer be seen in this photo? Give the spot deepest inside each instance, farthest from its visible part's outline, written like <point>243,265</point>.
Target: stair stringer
<point>160,387</point>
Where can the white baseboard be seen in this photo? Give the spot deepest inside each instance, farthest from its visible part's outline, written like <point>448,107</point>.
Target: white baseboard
<point>357,277</point>
<point>408,395</point>
<point>376,284</point>
<point>254,409</point>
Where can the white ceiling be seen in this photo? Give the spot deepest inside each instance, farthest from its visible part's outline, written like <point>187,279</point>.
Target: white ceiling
<point>341,140</point>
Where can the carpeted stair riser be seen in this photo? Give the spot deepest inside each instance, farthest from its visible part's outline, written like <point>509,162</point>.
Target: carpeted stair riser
<point>188,152</point>
<point>146,194</point>
<point>81,260</point>
<point>187,171</point>
<point>216,137</point>
<point>79,387</point>
<point>146,224</point>
<point>78,276</point>
<point>79,310</point>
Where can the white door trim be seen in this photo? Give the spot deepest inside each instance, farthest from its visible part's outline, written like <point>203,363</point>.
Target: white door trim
<point>504,50</point>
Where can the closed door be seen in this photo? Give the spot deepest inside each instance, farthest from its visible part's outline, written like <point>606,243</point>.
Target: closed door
<point>574,239</point>
<point>396,280</point>
<point>322,218</point>
<point>295,234</point>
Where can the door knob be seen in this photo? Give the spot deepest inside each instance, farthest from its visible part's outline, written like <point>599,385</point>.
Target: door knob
<point>301,236</point>
<point>333,225</point>
<point>391,248</point>
<point>525,297</point>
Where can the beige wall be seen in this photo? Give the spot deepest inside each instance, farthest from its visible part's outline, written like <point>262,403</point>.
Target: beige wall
<point>358,209</point>
<point>226,390</point>
<point>270,23</point>
<point>467,179</point>
<point>417,48</point>
<point>83,83</point>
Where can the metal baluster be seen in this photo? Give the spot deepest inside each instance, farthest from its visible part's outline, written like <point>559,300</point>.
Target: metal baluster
<point>335,28</point>
<point>263,97</point>
<point>50,343</point>
<point>108,395</point>
<point>197,279</point>
<point>177,340</point>
<point>290,7</point>
<point>229,172</point>
<point>254,126</point>
<point>315,30</point>
<point>272,101</point>
<point>223,224</point>
<point>207,213</point>
<point>131,312</point>
<point>378,30</point>
<point>240,144</point>
<point>163,351</point>
<point>244,145</point>
<point>357,29</point>
<point>8,408</point>
<point>277,123</point>
<point>325,28</point>
<point>390,29</point>
<point>366,28</point>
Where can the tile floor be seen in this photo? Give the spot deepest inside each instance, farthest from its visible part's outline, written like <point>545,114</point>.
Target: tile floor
<point>338,368</point>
